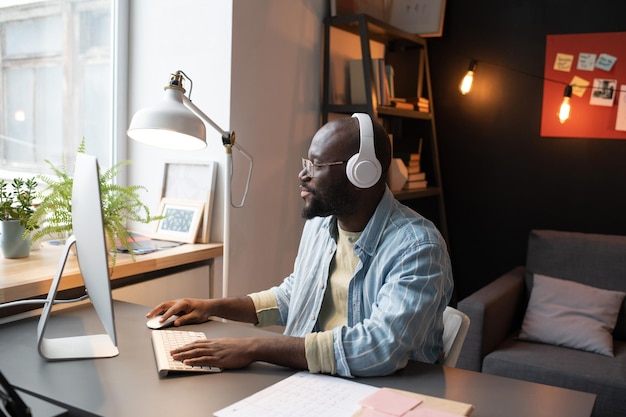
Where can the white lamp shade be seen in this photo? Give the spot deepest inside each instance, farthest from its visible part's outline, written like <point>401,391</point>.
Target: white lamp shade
<point>169,124</point>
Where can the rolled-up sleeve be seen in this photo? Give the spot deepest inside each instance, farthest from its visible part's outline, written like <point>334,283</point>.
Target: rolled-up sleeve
<point>266,308</point>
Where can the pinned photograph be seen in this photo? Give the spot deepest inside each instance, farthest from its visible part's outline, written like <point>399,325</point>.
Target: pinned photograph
<point>603,92</point>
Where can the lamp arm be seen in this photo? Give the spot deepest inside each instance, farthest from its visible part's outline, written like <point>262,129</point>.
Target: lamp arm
<point>205,118</point>
<point>228,139</point>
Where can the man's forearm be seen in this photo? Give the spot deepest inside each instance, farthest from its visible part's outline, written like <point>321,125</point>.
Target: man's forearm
<point>235,308</point>
<point>285,351</point>
<point>235,353</point>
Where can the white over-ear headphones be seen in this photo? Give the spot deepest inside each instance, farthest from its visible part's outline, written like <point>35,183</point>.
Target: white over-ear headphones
<point>363,169</point>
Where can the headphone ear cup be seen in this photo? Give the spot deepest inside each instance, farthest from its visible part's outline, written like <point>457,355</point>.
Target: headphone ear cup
<point>363,173</point>
<point>363,169</point>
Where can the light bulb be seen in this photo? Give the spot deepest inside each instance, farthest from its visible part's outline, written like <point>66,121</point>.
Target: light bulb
<point>466,84</point>
<point>564,110</point>
<point>565,106</point>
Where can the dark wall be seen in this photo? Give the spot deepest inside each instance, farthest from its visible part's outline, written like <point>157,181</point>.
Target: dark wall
<point>501,178</point>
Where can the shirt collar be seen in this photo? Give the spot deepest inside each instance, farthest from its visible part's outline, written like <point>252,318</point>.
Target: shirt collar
<point>375,226</point>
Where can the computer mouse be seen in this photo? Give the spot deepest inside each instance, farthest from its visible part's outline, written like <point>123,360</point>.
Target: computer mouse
<point>155,324</point>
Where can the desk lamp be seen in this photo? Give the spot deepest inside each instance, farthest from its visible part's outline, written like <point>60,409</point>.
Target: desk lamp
<point>176,123</point>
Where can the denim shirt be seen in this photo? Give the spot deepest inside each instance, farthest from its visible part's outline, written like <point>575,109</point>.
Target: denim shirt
<point>396,297</point>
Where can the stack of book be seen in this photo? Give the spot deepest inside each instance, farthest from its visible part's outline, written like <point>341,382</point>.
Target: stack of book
<point>421,104</point>
<point>416,177</point>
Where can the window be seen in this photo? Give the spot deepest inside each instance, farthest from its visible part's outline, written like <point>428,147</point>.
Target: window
<point>57,72</point>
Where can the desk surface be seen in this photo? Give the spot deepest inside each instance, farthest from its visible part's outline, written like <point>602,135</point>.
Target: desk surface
<point>32,276</point>
<point>128,385</point>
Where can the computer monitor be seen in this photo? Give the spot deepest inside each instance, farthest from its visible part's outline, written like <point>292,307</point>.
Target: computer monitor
<point>89,239</point>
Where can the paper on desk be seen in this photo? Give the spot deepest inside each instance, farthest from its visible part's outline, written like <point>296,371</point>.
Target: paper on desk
<point>313,395</point>
<point>303,394</point>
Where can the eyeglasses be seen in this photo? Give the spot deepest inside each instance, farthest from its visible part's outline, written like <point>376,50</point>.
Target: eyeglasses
<point>309,166</point>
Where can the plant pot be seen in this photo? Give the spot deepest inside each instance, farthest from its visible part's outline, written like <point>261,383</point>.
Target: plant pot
<point>13,244</point>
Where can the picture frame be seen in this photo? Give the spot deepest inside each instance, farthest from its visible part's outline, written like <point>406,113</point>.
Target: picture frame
<point>181,220</point>
<point>192,180</point>
<point>422,17</point>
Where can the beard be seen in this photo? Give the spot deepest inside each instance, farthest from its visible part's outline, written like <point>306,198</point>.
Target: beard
<point>337,200</point>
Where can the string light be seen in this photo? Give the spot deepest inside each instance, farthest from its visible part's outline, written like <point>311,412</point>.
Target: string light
<point>563,114</point>
<point>565,106</point>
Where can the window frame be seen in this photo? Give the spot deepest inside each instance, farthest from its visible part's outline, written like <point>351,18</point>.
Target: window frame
<point>118,87</point>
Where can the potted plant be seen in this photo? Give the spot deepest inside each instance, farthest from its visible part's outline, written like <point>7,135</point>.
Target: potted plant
<point>120,205</point>
<point>16,211</point>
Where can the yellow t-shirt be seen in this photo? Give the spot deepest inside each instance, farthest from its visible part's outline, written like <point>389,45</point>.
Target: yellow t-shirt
<point>334,311</point>
<point>319,350</point>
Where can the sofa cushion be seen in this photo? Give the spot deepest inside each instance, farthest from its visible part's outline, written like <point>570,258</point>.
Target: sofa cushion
<point>567,368</point>
<point>570,314</point>
<point>591,259</point>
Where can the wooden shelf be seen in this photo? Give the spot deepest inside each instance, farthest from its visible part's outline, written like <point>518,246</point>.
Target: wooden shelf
<point>378,30</point>
<point>410,114</point>
<point>419,193</point>
<point>380,110</point>
<point>407,53</point>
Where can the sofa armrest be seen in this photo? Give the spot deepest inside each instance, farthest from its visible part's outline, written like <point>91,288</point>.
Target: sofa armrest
<point>494,313</point>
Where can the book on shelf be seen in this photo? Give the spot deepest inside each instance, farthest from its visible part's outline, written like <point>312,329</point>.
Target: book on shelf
<point>402,105</point>
<point>416,176</point>
<point>391,81</point>
<point>411,160</point>
<point>381,81</point>
<point>357,84</point>
<point>415,185</point>
<point>413,167</point>
<point>421,104</point>
<point>380,87</point>
<point>415,156</point>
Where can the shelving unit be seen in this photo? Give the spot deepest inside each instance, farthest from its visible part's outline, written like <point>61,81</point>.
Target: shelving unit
<point>407,53</point>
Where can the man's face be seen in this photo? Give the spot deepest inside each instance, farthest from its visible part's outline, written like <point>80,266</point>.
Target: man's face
<point>324,196</point>
<point>326,190</point>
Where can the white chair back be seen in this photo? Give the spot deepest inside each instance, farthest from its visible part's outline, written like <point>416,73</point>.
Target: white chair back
<point>455,326</point>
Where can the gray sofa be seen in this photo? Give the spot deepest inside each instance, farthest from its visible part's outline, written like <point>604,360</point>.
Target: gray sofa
<point>497,312</point>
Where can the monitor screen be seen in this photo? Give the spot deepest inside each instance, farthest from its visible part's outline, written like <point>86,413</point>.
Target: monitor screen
<point>89,239</point>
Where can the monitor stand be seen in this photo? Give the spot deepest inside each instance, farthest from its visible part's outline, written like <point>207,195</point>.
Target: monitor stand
<point>70,347</point>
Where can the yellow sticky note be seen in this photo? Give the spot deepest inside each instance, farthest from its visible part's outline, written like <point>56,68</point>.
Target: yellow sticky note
<point>563,62</point>
<point>579,86</point>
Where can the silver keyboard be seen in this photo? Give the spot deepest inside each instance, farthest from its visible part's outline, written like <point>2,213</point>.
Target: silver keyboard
<point>163,341</point>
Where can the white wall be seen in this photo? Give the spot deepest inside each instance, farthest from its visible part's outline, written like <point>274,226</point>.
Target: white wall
<point>272,105</point>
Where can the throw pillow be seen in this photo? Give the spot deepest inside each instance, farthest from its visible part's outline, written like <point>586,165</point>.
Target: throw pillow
<point>570,314</point>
